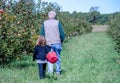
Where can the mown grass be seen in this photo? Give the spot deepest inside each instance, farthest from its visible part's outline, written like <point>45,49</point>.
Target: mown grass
<point>89,58</point>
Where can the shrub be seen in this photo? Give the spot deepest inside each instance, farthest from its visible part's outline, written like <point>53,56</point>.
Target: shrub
<point>74,26</point>
<point>16,37</point>
<point>9,38</point>
<point>114,32</point>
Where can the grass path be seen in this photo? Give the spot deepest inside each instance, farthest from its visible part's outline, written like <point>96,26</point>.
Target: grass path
<point>89,58</point>
<point>93,59</point>
<point>100,28</point>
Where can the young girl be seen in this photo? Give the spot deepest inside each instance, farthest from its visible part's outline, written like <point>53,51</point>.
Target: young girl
<point>40,51</point>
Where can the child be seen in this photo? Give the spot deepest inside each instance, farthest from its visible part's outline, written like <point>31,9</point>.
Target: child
<point>40,51</point>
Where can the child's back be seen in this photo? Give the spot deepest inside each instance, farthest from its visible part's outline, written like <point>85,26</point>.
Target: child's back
<point>40,52</point>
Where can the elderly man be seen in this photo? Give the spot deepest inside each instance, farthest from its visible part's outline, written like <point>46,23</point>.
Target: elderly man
<point>54,34</point>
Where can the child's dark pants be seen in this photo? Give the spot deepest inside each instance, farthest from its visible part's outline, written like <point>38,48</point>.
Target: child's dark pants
<point>42,70</point>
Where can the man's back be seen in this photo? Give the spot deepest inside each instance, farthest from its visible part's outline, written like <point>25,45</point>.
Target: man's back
<point>52,34</point>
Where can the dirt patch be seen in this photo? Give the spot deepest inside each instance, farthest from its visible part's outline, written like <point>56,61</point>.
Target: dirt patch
<point>100,28</point>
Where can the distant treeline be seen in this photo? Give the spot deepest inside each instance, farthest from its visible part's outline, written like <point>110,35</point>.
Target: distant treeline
<point>93,17</point>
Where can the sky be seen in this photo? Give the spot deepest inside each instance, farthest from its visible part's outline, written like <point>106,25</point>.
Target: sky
<point>105,6</point>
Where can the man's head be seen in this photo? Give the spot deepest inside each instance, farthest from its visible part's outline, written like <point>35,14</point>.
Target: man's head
<point>51,14</point>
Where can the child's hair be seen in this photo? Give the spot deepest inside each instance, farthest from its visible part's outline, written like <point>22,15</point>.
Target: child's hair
<point>41,41</point>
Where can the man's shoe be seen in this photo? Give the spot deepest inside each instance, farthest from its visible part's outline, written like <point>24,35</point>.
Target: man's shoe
<point>58,73</point>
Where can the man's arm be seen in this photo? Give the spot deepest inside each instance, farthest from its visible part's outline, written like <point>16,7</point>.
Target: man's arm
<point>42,32</point>
<point>62,34</point>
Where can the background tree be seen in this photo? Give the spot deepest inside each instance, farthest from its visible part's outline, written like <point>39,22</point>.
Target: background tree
<point>17,25</point>
<point>94,14</point>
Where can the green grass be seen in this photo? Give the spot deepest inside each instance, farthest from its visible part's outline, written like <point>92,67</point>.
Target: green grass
<point>89,58</point>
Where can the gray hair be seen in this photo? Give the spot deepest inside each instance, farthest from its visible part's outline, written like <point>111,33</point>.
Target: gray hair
<point>51,14</point>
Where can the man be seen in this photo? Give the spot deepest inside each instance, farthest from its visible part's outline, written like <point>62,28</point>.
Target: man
<point>54,34</point>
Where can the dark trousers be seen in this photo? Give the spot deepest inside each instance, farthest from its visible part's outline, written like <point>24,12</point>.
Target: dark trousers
<point>42,70</point>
